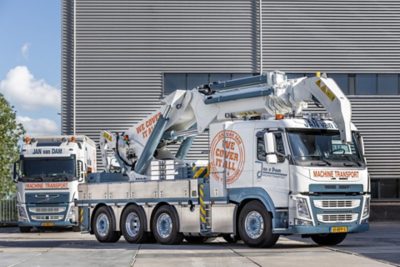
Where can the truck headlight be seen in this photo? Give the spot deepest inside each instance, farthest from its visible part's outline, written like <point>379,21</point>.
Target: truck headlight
<point>72,214</point>
<point>366,209</point>
<point>302,208</point>
<point>22,216</point>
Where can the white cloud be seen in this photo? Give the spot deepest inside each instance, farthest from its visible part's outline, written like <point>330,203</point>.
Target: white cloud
<point>25,50</point>
<point>21,88</point>
<point>38,127</point>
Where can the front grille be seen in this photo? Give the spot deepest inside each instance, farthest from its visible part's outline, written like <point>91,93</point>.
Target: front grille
<point>337,218</point>
<point>47,217</point>
<point>337,203</point>
<point>47,209</point>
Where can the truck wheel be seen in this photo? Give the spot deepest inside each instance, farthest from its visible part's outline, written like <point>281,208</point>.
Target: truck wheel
<point>165,226</point>
<point>133,224</point>
<point>255,226</point>
<point>25,229</point>
<point>104,225</point>
<point>230,238</point>
<point>196,239</point>
<point>328,239</point>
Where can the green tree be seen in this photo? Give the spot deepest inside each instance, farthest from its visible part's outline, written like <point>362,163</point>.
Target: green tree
<point>10,133</point>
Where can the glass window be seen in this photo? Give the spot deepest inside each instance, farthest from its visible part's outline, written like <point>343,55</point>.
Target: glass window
<point>196,79</point>
<point>388,188</point>
<point>280,148</point>
<point>174,81</point>
<point>260,149</point>
<point>388,84</point>
<point>342,80</point>
<point>319,148</point>
<point>48,169</point>
<point>366,84</point>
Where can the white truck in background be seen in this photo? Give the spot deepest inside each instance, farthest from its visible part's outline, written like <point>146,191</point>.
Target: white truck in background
<point>273,170</point>
<point>47,176</point>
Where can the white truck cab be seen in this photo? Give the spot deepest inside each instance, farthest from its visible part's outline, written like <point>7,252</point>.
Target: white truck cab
<point>47,176</point>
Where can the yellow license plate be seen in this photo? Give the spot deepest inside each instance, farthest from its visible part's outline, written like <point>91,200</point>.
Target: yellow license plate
<point>47,224</point>
<point>339,229</point>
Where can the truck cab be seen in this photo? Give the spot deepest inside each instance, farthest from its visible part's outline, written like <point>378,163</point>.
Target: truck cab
<point>47,177</point>
<point>310,182</point>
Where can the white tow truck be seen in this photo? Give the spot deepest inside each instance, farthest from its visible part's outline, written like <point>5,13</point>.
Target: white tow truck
<point>47,176</point>
<point>272,170</point>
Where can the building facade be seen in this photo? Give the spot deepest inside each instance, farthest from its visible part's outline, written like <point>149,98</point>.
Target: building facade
<point>120,57</point>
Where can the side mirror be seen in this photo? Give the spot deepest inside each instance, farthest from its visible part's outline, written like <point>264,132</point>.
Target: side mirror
<point>362,145</point>
<point>79,170</point>
<point>270,148</point>
<point>16,172</point>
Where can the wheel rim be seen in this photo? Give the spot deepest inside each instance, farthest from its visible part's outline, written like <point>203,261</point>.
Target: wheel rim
<point>132,224</point>
<point>164,225</point>
<point>254,225</point>
<point>102,225</point>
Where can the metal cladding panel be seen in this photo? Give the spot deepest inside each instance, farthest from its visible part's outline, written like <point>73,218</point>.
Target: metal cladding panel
<point>67,67</point>
<point>123,48</point>
<point>334,36</point>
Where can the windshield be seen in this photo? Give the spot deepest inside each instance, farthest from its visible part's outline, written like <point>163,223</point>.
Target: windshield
<point>48,169</point>
<point>324,148</point>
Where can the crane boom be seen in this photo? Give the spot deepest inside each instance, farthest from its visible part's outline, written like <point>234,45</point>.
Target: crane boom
<point>186,113</point>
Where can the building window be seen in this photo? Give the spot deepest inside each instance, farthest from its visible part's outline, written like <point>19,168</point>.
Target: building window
<point>388,84</point>
<point>366,84</point>
<point>385,188</point>
<point>186,81</point>
<point>351,84</point>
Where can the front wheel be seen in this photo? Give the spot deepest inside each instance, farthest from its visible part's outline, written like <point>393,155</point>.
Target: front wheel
<point>255,226</point>
<point>328,239</point>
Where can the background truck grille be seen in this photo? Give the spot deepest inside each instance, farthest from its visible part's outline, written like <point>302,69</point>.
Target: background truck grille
<point>337,218</point>
<point>47,209</point>
<point>47,217</point>
<point>337,204</point>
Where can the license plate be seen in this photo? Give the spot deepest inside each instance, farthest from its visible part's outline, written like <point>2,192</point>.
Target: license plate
<point>47,224</point>
<point>339,229</point>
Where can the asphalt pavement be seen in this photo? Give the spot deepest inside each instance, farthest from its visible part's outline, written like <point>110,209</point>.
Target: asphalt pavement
<point>378,247</point>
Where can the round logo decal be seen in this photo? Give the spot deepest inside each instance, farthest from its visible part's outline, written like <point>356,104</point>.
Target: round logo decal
<point>227,153</point>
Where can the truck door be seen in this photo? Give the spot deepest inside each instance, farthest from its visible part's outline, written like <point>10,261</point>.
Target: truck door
<point>274,178</point>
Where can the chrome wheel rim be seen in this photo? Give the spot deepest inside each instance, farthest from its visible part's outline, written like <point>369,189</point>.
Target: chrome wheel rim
<point>132,224</point>
<point>102,225</point>
<point>254,225</point>
<point>164,225</point>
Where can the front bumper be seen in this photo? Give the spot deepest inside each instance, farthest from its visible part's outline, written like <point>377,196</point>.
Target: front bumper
<point>324,229</point>
<point>63,224</point>
<point>327,211</point>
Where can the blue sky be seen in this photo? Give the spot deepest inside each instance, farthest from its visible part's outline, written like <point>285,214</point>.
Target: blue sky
<point>30,61</point>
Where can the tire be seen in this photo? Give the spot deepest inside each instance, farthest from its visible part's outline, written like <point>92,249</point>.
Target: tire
<point>133,224</point>
<point>165,226</point>
<point>103,226</point>
<point>255,226</point>
<point>196,239</point>
<point>328,239</point>
<point>230,238</point>
<point>25,229</point>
